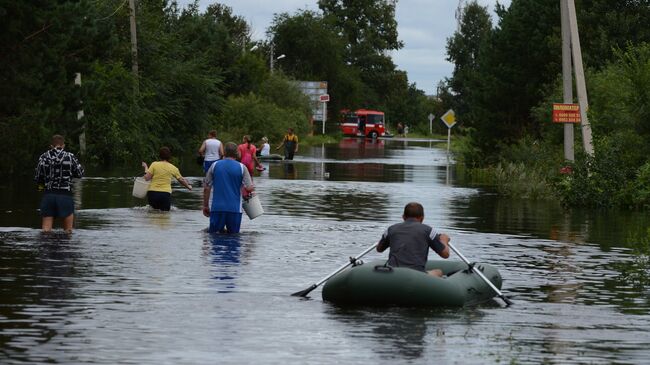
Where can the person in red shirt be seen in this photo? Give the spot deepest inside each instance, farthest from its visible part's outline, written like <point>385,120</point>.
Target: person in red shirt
<point>247,154</point>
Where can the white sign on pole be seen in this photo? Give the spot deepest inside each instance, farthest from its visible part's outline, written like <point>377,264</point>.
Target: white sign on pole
<point>315,90</point>
<point>431,116</point>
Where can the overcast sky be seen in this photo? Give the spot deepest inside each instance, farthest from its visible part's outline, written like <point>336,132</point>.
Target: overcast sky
<point>423,26</point>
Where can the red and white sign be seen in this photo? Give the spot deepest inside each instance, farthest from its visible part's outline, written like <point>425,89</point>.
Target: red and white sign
<point>566,113</point>
<point>324,98</point>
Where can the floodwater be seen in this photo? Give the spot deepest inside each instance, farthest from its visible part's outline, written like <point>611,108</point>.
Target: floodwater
<point>133,286</point>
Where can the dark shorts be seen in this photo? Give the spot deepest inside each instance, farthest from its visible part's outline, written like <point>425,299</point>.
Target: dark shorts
<point>160,200</point>
<point>222,222</point>
<point>207,164</point>
<point>57,205</point>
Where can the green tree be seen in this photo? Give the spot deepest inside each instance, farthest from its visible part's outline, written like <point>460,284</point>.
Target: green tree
<point>463,49</point>
<point>609,25</point>
<point>317,52</point>
<point>516,67</point>
<point>370,30</point>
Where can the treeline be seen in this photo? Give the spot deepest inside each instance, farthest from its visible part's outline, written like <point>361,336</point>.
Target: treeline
<point>197,71</point>
<point>508,74</point>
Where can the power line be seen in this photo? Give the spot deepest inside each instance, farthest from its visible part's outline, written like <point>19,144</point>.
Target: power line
<point>113,13</point>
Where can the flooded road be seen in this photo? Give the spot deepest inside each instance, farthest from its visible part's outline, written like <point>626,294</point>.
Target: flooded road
<point>134,286</point>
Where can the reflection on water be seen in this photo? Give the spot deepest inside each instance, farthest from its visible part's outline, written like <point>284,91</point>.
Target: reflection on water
<point>133,285</point>
<point>290,170</point>
<point>225,252</point>
<point>398,333</point>
<point>160,219</point>
<point>42,270</point>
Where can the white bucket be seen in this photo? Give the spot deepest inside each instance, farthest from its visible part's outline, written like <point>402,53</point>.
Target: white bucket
<point>140,187</point>
<point>253,207</point>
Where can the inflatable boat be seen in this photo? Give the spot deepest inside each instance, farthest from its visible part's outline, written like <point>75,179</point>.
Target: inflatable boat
<point>271,157</point>
<point>376,284</point>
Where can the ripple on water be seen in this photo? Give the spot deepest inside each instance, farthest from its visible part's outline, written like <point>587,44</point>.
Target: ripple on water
<point>137,286</point>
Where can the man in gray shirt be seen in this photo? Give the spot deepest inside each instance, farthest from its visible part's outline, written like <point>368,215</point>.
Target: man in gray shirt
<point>410,241</point>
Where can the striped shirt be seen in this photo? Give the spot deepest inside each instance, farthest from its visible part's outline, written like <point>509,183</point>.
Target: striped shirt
<point>56,168</point>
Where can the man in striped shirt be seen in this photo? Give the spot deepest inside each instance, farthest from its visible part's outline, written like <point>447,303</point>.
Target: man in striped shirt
<point>54,173</point>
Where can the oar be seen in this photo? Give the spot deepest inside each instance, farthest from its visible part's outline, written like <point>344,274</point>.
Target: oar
<point>303,293</point>
<point>487,281</point>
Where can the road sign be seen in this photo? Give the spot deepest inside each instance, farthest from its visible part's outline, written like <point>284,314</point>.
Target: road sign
<point>566,113</point>
<point>449,118</point>
<point>313,90</point>
<point>324,98</point>
<point>431,116</point>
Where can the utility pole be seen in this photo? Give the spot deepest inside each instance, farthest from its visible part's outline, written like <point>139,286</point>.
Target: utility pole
<point>581,87</point>
<point>134,45</point>
<point>271,59</point>
<point>80,114</point>
<point>567,78</point>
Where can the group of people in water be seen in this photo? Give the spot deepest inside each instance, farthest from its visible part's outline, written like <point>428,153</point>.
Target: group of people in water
<point>56,168</point>
<point>228,179</point>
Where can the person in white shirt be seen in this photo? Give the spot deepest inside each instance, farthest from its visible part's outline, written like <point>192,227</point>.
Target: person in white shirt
<point>266,147</point>
<point>211,149</point>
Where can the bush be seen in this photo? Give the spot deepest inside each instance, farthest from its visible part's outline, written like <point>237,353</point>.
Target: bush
<point>250,114</point>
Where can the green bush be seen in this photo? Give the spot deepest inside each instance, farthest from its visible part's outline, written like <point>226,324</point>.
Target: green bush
<point>250,114</point>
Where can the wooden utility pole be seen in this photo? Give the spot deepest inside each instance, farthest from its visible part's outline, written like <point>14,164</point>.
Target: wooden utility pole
<point>134,44</point>
<point>567,78</point>
<point>80,114</point>
<point>581,87</point>
<point>271,58</point>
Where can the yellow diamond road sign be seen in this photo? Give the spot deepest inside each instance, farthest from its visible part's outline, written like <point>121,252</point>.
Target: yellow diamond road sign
<point>449,118</point>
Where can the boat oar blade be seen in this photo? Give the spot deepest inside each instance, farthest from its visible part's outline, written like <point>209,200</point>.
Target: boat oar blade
<point>508,301</point>
<point>303,293</point>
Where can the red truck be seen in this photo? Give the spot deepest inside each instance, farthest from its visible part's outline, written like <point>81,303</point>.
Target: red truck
<point>363,123</point>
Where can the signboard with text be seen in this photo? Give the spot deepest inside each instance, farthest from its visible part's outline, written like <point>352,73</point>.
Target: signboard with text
<point>566,113</point>
<point>315,90</point>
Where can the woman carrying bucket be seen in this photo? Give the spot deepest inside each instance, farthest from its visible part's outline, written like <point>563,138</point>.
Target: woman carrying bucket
<point>160,173</point>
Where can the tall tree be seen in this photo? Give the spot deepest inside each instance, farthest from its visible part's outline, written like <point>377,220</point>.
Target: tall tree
<point>463,50</point>
<point>608,25</point>
<point>370,29</point>
<point>317,52</point>
<point>515,69</point>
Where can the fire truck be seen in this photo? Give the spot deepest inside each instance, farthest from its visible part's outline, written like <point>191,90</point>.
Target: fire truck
<point>363,123</point>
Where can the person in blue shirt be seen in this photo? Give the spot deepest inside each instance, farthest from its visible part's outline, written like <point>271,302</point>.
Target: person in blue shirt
<point>223,204</point>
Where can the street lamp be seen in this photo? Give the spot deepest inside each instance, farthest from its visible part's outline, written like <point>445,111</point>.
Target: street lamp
<point>272,57</point>
<point>253,48</point>
<point>276,58</point>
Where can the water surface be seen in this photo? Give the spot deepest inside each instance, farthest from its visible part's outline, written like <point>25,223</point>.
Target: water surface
<point>135,286</point>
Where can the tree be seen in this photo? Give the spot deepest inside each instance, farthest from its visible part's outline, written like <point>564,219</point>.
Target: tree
<point>370,30</point>
<point>463,50</point>
<point>316,52</point>
<point>368,25</point>
<point>609,25</point>
<point>517,65</point>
